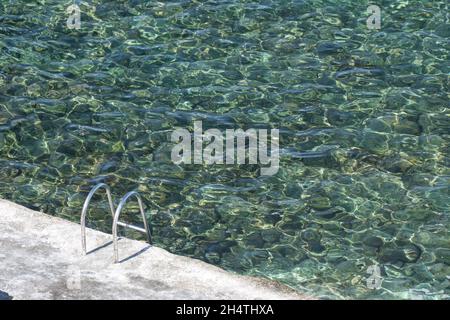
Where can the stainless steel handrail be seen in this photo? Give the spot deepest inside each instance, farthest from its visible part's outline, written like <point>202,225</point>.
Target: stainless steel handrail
<point>117,223</point>
<point>85,209</point>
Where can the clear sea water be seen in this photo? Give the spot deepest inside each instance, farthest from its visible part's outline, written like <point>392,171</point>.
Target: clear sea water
<point>363,117</point>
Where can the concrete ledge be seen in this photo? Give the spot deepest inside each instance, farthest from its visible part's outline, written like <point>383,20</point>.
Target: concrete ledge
<point>40,258</point>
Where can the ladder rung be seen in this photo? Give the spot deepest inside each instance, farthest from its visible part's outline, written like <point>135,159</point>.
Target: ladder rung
<point>127,225</point>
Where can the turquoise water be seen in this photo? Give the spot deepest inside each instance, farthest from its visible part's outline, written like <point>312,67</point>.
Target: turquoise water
<point>363,118</point>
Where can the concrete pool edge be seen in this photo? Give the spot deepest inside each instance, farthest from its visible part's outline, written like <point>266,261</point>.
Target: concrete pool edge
<point>40,258</point>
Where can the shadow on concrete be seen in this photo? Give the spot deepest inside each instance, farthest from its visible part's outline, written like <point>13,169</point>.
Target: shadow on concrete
<point>123,260</point>
<point>134,255</point>
<point>100,247</point>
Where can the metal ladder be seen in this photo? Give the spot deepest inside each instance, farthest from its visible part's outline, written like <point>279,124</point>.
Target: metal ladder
<point>115,215</point>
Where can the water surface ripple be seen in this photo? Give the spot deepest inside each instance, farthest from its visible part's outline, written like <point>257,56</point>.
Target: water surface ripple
<point>363,118</point>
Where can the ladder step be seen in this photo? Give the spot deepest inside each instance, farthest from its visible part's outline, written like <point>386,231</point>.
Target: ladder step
<point>127,225</point>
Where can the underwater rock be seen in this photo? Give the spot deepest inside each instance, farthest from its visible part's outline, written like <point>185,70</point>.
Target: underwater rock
<point>373,241</point>
<point>412,252</point>
<point>320,203</point>
<point>392,256</point>
<point>396,164</point>
<point>328,214</point>
<point>254,240</point>
<point>443,255</point>
<point>316,247</point>
<point>328,48</point>
<point>271,235</point>
<point>408,254</point>
<point>375,142</point>
<point>310,235</point>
